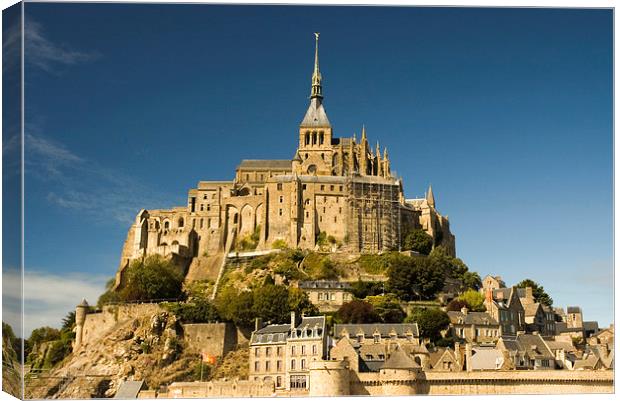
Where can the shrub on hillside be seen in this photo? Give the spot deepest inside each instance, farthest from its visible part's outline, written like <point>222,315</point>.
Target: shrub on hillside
<point>152,278</point>
<point>357,311</point>
<point>430,322</point>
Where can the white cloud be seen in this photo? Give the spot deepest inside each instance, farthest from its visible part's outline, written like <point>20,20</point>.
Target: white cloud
<point>48,297</point>
<point>84,186</point>
<point>43,53</point>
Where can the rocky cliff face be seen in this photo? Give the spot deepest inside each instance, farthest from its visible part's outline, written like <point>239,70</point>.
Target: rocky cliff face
<point>146,348</point>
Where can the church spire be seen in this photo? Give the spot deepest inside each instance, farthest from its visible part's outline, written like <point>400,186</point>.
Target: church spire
<point>430,198</point>
<point>317,89</point>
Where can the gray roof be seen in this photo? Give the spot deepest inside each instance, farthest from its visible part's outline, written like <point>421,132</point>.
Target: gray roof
<point>384,329</point>
<point>278,333</point>
<point>573,309</point>
<point>486,358</point>
<point>588,326</point>
<point>129,389</point>
<point>324,284</point>
<point>265,164</point>
<point>478,318</point>
<point>399,359</point>
<point>531,345</point>
<point>315,115</point>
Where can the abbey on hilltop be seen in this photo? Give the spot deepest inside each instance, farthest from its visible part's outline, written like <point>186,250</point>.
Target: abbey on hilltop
<point>336,188</point>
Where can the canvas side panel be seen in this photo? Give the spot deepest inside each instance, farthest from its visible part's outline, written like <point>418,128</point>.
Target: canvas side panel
<point>12,179</point>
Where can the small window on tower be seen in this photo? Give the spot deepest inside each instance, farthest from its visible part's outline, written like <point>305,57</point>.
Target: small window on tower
<point>279,187</point>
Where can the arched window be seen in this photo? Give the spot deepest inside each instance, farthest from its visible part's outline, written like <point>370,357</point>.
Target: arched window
<point>166,225</point>
<point>321,138</point>
<point>292,364</point>
<point>314,137</point>
<point>307,141</point>
<point>181,222</point>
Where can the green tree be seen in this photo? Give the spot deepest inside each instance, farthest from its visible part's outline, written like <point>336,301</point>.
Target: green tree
<point>455,268</point>
<point>457,305</point>
<point>419,277</point>
<point>68,322</point>
<point>430,322</point>
<point>474,299</point>
<point>299,302</point>
<point>538,291</point>
<point>236,306</point>
<point>271,303</point>
<point>357,311</point>
<point>419,241</point>
<point>198,310</point>
<point>362,289</point>
<point>387,307</point>
<point>152,278</point>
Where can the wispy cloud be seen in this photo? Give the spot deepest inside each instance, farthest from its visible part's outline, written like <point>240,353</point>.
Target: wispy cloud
<point>47,296</point>
<point>47,55</point>
<point>85,186</point>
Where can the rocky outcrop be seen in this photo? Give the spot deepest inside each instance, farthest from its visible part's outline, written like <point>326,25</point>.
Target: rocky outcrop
<point>148,347</point>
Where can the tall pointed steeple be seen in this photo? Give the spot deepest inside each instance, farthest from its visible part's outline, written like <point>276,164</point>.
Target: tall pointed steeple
<point>430,198</point>
<point>317,89</point>
<point>363,132</point>
<point>315,115</point>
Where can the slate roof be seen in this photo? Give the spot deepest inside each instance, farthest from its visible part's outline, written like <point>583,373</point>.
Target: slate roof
<point>573,309</point>
<point>531,309</point>
<point>590,326</point>
<point>324,284</point>
<point>477,318</point>
<point>383,328</point>
<point>530,345</point>
<point>399,359</point>
<point>590,362</point>
<point>315,115</point>
<point>486,358</point>
<point>129,389</point>
<point>438,353</point>
<point>265,164</point>
<point>278,333</point>
<point>566,346</point>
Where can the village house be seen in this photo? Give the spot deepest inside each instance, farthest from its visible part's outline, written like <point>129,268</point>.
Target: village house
<point>368,346</point>
<point>282,352</point>
<point>327,295</point>
<point>504,306</point>
<point>445,359</point>
<point>527,351</point>
<point>474,327</point>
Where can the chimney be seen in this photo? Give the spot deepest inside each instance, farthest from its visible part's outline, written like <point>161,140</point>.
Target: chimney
<point>258,324</point>
<point>489,295</point>
<point>292,320</point>
<point>464,310</point>
<point>457,353</point>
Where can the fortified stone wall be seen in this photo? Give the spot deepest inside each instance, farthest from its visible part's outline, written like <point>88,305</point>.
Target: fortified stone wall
<point>323,382</point>
<point>220,388</point>
<point>215,339</point>
<point>98,324</point>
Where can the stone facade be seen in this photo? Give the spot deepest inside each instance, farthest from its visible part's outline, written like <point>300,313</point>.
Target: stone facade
<point>474,327</point>
<point>338,186</point>
<point>328,296</point>
<point>282,353</point>
<point>504,306</point>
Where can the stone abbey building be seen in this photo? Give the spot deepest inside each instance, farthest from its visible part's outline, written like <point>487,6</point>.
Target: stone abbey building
<point>338,186</point>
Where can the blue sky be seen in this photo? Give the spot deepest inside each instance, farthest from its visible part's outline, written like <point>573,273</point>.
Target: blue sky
<point>507,112</point>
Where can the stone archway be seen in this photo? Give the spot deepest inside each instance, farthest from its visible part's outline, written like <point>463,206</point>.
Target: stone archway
<point>247,221</point>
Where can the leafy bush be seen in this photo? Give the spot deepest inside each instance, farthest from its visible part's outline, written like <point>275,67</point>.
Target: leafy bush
<point>430,322</point>
<point>273,303</point>
<point>417,277</point>
<point>279,244</point>
<point>357,311</point>
<point>474,299</point>
<point>196,311</point>
<point>388,308</point>
<point>362,289</point>
<point>153,278</point>
<point>457,304</point>
<point>320,267</point>
<point>419,241</point>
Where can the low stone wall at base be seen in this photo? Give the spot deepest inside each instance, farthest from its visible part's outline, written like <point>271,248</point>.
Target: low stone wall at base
<point>517,382</point>
<point>219,388</point>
